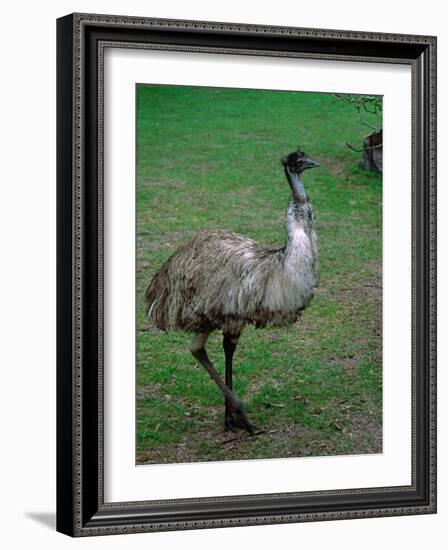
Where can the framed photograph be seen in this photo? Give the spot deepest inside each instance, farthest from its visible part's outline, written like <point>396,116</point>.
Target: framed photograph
<point>246,274</point>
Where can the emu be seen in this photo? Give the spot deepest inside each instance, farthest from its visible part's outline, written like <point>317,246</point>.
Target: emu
<point>222,281</point>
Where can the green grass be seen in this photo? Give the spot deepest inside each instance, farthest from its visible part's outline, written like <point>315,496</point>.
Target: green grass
<point>209,158</point>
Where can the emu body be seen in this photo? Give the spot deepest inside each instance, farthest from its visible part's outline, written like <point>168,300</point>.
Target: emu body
<point>219,280</point>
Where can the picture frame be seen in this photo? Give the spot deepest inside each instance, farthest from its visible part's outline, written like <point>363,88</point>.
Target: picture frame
<point>81,506</point>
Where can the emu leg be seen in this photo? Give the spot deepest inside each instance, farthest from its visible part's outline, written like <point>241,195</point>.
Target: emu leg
<point>229,343</point>
<point>240,419</point>
<point>232,420</point>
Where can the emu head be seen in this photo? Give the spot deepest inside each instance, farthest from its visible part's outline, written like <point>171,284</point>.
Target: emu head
<point>297,162</point>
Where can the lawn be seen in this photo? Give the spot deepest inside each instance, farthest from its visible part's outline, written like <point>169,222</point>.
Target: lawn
<point>209,158</point>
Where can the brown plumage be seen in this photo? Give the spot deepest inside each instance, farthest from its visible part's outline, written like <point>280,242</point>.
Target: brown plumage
<point>221,280</point>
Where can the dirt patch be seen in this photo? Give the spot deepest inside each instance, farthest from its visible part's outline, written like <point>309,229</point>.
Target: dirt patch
<point>253,389</point>
<point>148,391</point>
<point>371,291</point>
<point>354,432</point>
<point>337,167</point>
<point>366,433</point>
<point>349,364</point>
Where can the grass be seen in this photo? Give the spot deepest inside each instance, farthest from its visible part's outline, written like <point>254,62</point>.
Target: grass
<point>209,158</point>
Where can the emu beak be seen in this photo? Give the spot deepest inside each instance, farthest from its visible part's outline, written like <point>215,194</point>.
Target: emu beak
<point>311,163</point>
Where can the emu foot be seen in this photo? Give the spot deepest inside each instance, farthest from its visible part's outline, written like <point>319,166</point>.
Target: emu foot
<point>235,418</point>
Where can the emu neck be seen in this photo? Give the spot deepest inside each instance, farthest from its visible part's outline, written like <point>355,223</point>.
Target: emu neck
<point>296,226</point>
<point>297,217</point>
<point>297,187</point>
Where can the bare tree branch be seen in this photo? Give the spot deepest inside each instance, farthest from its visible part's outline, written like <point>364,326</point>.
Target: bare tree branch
<point>365,149</point>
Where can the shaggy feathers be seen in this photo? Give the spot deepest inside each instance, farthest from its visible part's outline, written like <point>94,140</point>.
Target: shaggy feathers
<point>221,280</point>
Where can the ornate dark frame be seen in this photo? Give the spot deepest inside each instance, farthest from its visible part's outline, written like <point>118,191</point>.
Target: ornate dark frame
<point>81,39</point>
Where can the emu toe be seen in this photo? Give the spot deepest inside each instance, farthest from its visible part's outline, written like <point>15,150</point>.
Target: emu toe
<point>236,419</point>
